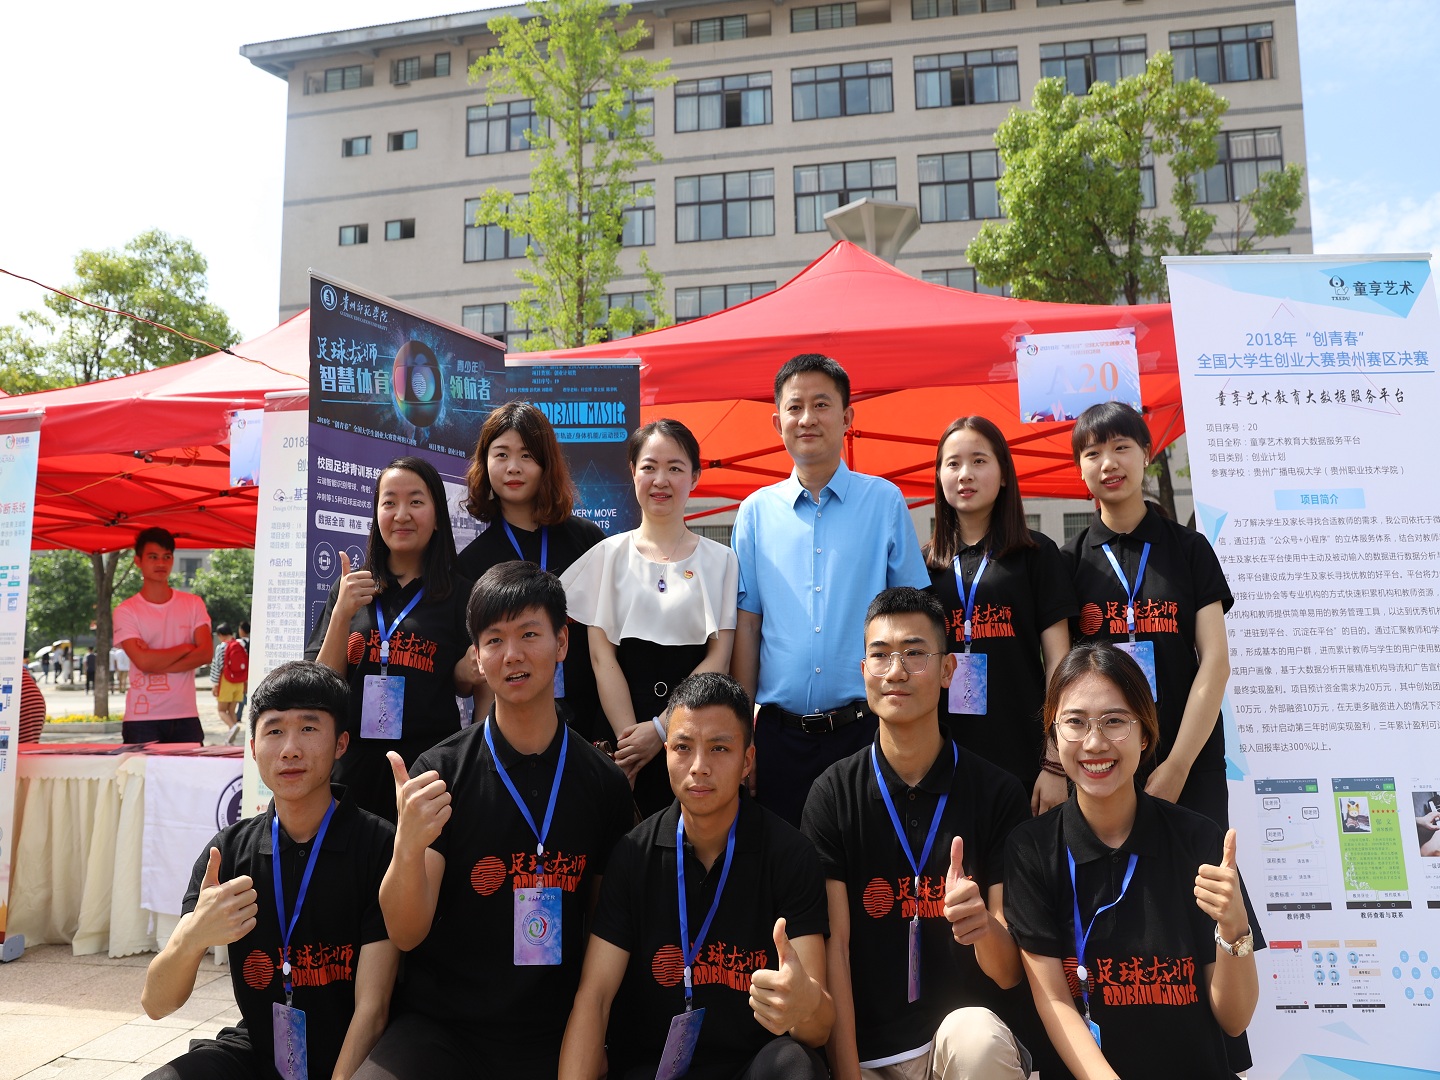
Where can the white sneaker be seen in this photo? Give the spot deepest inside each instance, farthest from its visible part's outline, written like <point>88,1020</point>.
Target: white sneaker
<point>232,737</point>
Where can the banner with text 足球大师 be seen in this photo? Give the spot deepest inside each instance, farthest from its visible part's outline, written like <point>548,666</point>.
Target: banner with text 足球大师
<point>385,382</point>
<point>1310,394</point>
<point>19,464</point>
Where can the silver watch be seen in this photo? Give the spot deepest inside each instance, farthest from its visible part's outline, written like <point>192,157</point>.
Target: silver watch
<point>1244,945</point>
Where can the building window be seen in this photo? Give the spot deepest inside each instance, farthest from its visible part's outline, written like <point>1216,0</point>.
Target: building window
<point>1228,54</point>
<point>359,146</point>
<point>723,206</point>
<point>967,78</point>
<point>1057,3</point>
<point>1245,156</point>
<point>405,71</point>
<point>1073,523</point>
<point>938,9</point>
<point>1147,178</point>
<point>403,229</point>
<point>641,303</point>
<point>498,321</point>
<point>487,243</point>
<point>495,129</point>
<point>1084,63</point>
<point>719,533</point>
<point>1032,522</point>
<point>442,64</point>
<point>354,234</point>
<point>638,219</point>
<point>822,188</point>
<point>963,277</point>
<point>708,299</point>
<point>960,186</point>
<point>645,127</point>
<point>722,28</point>
<point>841,90</point>
<point>731,101</point>
<point>341,78</point>
<point>823,17</point>
<point>404,140</point>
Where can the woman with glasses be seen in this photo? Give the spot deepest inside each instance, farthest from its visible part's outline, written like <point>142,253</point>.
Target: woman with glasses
<point>1134,927</point>
<point>1007,598</point>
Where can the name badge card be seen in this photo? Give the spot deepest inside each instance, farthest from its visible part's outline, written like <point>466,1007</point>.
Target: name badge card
<point>680,1043</point>
<point>290,1057</point>
<point>537,927</point>
<point>968,694</point>
<point>1143,653</point>
<point>382,708</point>
<point>912,992</point>
<point>559,679</point>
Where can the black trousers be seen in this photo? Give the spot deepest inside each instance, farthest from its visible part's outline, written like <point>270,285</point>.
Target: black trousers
<point>788,760</point>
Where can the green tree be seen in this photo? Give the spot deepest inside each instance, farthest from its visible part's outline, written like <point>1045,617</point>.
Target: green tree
<point>61,600</point>
<point>226,585</point>
<point>593,113</point>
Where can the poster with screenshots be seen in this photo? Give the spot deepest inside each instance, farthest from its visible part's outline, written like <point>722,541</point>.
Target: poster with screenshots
<point>1309,394</point>
<point>1061,375</point>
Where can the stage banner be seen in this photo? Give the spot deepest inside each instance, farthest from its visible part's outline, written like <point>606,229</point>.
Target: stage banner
<point>277,606</point>
<point>1310,400</point>
<point>385,382</point>
<point>593,408</point>
<point>19,462</point>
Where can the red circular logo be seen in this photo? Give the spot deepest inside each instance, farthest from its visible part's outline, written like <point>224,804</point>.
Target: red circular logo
<point>1090,620</point>
<point>258,970</point>
<point>668,967</point>
<point>878,898</point>
<point>488,875</point>
<point>355,648</point>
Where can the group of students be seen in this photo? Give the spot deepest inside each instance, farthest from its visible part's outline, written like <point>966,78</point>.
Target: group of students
<point>878,905</point>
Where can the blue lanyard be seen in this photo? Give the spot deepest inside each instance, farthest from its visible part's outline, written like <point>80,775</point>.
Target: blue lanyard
<point>385,631</point>
<point>1081,938</point>
<point>544,543</point>
<point>1130,594</point>
<point>288,928</point>
<point>690,950</point>
<point>970,600</point>
<point>899,826</point>
<point>544,830</point>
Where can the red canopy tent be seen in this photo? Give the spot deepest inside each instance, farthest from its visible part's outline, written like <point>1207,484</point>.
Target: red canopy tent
<point>122,454</point>
<point>918,356</point>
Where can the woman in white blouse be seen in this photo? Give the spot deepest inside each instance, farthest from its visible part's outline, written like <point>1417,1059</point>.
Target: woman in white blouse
<point>659,603</point>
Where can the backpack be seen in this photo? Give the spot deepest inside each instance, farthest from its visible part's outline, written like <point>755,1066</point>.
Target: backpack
<point>237,663</point>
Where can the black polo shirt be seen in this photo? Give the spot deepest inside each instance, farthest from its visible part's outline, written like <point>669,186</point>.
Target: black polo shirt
<point>1146,955</point>
<point>568,541</point>
<point>846,819</point>
<point>340,915</point>
<point>774,873</point>
<point>464,972</point>
<point>1182,576</point>
<point>1020,596</point>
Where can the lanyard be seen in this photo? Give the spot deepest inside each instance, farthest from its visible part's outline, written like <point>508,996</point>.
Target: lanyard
<point>288,928</point>
<point>385,631</point>
<point>544,830</point>
<point>969,600</point>
<point>1081,938</point>
<point>1130,594</point>
<point>544,543</point>
<point>690,950</point>
<point>900,828</point>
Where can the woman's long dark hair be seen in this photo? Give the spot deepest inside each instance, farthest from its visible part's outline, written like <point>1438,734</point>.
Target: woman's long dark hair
<point>1007,517</point>
<point>439,563</point>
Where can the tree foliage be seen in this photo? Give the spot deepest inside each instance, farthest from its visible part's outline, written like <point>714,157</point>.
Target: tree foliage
<point>571,60</point>
<point>61,601</point>
<point>226,585</point>
<point>1075,229</point>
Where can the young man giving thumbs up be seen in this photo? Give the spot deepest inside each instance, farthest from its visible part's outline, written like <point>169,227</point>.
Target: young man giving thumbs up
<point>707,958</point>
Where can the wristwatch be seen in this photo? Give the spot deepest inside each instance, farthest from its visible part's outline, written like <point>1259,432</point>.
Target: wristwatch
<point>1244,945</point>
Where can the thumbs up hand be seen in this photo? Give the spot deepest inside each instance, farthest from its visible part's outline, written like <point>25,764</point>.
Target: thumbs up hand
<point>357,588</point>
<point>422,807</point>
<point>225,911</point>
<point>787,996</point>
<point>964,904</point>
<point>1217,891</point>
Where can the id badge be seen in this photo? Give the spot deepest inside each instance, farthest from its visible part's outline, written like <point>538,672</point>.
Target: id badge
<point>912,992</point>
<point>680,1043</point>
<point>1143,652</point>
<point>968,694</point>
<point>559,680</point>
<point>1094,1029</point>
<point>382,707</point>
<point>537,927</point>
<point>289,1025</point>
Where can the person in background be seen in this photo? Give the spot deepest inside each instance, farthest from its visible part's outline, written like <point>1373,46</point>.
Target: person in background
<point>224,694</point>
<point>45,666</point>
<point>242,635</point>
<point>122,666</point>
<point>32,705</point>
<point>89,670</point>
<point>115,653</point>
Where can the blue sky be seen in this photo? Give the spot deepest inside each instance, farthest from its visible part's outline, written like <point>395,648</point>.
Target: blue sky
<point>145,115</point>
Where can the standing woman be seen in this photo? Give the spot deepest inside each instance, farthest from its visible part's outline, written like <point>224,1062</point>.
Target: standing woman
<point>1143,579</point>
<point>394,629</point>
<point>1013,589</point>
<point>1115,875</point>
<point>521,487</point>
<point>660,603</point>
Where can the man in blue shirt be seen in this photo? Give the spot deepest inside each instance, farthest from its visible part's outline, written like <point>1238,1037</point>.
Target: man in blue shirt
<point>814,550</point>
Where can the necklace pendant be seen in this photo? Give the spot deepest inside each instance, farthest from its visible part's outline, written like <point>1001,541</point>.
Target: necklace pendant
<point>660,583</point>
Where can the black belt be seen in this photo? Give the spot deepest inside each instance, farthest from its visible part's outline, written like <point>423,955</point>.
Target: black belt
<point>821,723</point>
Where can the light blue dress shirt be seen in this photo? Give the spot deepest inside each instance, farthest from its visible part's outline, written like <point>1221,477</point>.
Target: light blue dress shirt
<point>810,570</point>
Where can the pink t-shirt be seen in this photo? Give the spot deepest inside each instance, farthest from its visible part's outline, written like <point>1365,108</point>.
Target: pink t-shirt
<point>161,626</point>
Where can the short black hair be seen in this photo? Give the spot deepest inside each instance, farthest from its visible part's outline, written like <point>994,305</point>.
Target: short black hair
<point>807,362</point>
<point>708,688</point>
<point>1105,421</point>
<point>245,626</point>
<point>223,628</point>
<point>507,589</point>
<point>162,538</point>
<point>301,684</point>
<point>904,600</point>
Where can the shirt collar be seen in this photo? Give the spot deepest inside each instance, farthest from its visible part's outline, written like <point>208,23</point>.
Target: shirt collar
<point>510,757</point>
<point>937,779</point>
<point>746,834</point>
<point>838,485</point>
<point>335,836</point>
<point>1144,839</point>
<point>1148,530</point>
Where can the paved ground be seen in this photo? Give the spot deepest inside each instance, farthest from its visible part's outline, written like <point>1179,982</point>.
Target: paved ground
<point>62,700</point>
